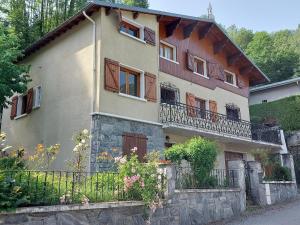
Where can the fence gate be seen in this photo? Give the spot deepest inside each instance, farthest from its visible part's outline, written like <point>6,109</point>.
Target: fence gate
<point>248,182</point>
<point>295,152</point>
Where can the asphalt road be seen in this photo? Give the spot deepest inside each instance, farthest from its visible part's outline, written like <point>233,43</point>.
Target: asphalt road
<point>284,214</point>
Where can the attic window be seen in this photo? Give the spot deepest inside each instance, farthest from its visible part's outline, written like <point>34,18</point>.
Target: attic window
<point>132,29</point>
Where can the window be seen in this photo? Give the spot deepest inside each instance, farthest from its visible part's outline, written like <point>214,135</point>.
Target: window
<point>167,95</point>
<point>129,82</point>
<point>167,51</point>
<point>22,104</point>
<point>130,29</point>
<point>200,67</point>
<point>200,107</point>
<point>230,78</point>
<point>134,140</point>
<point>233,113</point>
<point>264,101</point>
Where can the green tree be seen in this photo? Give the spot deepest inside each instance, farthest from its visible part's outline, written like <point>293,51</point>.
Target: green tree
<point>137,3</point>
<point>13,77</point>
<point>242,37</point>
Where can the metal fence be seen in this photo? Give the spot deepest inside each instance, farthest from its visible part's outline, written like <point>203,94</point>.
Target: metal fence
<point>61,187</point>
<point>217,178</point>
<point>182,114</point>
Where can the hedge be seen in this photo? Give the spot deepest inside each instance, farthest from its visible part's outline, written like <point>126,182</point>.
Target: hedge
<point>285,111</point>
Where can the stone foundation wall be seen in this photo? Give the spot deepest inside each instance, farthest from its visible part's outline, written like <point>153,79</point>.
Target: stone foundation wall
<point>107,137</point>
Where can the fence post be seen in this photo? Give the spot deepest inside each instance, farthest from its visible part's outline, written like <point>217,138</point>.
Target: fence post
<point>170,174</point>
<point>239,168</point>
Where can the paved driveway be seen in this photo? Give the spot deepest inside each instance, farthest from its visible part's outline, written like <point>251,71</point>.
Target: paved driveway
<point>285,214</point>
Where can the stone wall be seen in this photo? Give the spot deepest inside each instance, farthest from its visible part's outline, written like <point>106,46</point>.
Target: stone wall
<point>107,137</point>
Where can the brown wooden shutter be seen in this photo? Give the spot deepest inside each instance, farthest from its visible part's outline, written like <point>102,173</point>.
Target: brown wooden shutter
<point>131,140</point>
<point>213,110</point>
<point>191,103</point>
<point>149,36</point>
<point>29,101</point>
<point>189,61</point>
<point>112,73</point>
<point>150,87</point>
<point>119,19</point>
<point>240,82</point>
<point>14,103</point>
<point>221,74</point>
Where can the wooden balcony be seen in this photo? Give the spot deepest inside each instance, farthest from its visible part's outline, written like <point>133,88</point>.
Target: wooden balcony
<point>182,115</point>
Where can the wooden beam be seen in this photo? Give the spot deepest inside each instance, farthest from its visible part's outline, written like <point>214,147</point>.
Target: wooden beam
<point>218,46</point>
<point>108,11</point>
<point>187,30</point>
<point>246,70</point>
<point>171,27</point>
<point>203,32</point>
<point>135,15</point>
<point>232,59</point>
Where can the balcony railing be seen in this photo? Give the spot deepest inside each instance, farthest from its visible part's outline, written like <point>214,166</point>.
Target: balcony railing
<point>183,115</point>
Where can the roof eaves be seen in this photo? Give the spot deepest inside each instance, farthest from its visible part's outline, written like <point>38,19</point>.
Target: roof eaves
<point>273,85</point>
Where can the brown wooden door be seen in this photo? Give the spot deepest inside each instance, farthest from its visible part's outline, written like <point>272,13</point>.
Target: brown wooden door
<point>232,156</point>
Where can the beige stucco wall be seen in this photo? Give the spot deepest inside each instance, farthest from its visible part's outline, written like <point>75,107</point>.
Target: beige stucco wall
<point>64,70</point>
<point>129,52</point>
<point>274,94</point>
<point>221,96</point>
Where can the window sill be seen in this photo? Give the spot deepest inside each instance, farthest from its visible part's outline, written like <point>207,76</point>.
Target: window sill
<point>170,60</point>
<point>135,38</point>
<point>20,116</point>
<point>201,75</point>
<point>233,85</point>
<point>133,97</point>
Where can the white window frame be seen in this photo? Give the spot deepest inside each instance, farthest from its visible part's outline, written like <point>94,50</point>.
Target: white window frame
<point>133,23</point>
<point>204,65</point>
<point>142,83</point>
<point>234,78</point>
<point>174,52</point>
<point>37,101</point>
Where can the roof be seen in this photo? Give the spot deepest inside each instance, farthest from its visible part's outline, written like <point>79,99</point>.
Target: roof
<point>95,5</point>
<point>274,85</point>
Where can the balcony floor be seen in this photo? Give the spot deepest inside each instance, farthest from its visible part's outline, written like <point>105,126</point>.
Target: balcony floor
<point>183,130</point>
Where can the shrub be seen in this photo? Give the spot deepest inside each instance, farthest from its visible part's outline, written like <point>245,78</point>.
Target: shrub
<point>176,153</point>
<point>281,173</point>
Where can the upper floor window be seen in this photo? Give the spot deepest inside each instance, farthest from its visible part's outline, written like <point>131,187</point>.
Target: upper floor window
<point>169,93</point>
<point>132,29</point>
<point>167,51</point>
<point>264,101</point>
<point>129,82</point>
<point>230,78</point>
<point>200,66</point>
<point>233,112</point>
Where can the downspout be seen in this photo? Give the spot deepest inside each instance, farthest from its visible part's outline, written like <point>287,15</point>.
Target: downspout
<point>93,85</point>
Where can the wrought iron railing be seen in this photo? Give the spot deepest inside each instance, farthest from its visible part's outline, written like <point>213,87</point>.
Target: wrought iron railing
<point>217,178</point>
<point>184,115</point>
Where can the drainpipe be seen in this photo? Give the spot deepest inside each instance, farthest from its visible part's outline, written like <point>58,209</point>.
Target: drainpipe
<point>94,61</point>
<point>93,83</point>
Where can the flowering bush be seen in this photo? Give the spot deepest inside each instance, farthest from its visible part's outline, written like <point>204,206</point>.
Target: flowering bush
<point>144,181</point>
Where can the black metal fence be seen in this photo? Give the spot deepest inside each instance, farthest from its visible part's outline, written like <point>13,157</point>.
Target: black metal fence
<point>217,178</point>
<point>182,114</point>
<point>60,187</point>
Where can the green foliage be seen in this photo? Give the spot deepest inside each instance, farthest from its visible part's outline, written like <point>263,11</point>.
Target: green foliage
<point>12,76</point>
<point>200,153</point>
<point>242,37</point>
<point>137,3</point>
<point>280,173</point>
<point>284,111</point>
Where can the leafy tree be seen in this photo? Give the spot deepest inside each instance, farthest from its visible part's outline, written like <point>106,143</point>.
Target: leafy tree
<point>242,37</point>
<point>13,77</point>
<point>137,3</point>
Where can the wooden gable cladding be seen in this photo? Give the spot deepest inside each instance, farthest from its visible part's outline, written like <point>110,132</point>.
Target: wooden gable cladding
<point>149,36</point>
<point>134,140</point>
<point>150,87</point>
<point>204,49</point>
<point>112,71</point>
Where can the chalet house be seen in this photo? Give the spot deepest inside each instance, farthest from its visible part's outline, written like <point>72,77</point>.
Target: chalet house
<point>137,78</point>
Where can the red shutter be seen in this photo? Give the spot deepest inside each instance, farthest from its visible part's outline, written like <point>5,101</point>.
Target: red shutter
<point>189,61</point>
<point>149,36</point>
<point>112,73</point>
<point>131,140</point>
<point>150,87</point>
<point>213,110</point>
<point>191,103</point>
<point>29,101</point>
<point>14,103</point>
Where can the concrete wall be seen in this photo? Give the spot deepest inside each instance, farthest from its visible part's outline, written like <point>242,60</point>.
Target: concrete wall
<point>63,68</point>
<point>274,94</point>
